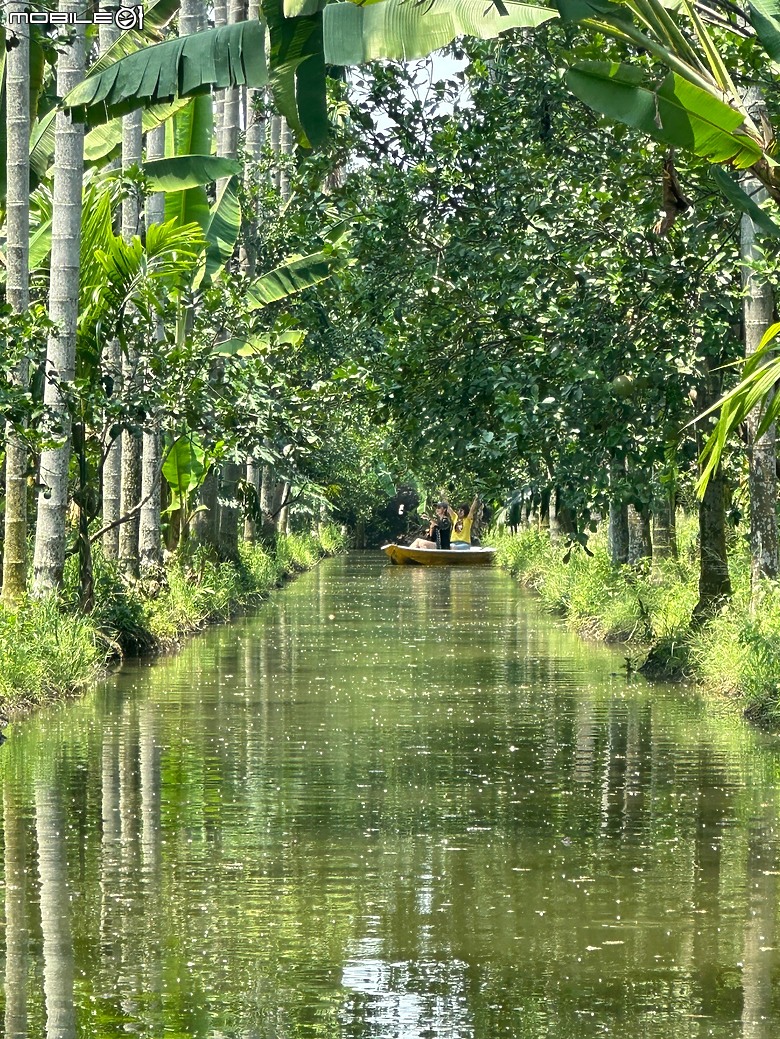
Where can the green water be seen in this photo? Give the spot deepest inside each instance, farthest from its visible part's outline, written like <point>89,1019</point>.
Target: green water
<point>394,803</point>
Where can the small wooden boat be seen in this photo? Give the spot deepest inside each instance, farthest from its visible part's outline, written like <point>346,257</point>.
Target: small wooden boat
<point>473,556</point>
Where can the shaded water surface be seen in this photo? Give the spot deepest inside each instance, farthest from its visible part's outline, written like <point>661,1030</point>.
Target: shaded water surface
<point>394,803</point>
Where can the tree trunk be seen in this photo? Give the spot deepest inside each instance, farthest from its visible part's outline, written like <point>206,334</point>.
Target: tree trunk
<point>714,581</point>
<point>617,531</point>
<point>664,525</point>
<point>191,17</point>
<point>283,524</point>
<point>253,474</point>
<point>639,540</point>
<point>220,19</point>
<point>50,532</point>
<point>267,488</point>
<point>758,311</point>
<point>111,364</point>
<point>17,296</point>
<point>132,140</point>
<point>228,511</point>
<point>205,525</point>
<point>149,538</point>
<point>228,148</point>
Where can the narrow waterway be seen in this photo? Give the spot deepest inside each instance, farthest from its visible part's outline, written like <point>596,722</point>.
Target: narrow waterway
<point>393,804</point>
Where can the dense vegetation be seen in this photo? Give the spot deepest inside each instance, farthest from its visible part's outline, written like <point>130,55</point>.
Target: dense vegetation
<point>217,336</point>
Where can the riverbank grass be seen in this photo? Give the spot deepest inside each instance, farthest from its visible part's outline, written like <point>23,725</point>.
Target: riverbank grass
<point>737,653</point>
<point>49,650</point>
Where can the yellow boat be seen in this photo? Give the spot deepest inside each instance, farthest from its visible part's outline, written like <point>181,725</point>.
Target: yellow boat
<point>473,556</point>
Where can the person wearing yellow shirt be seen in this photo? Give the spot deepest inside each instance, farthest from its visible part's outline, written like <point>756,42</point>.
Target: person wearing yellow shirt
<point>462,519</point>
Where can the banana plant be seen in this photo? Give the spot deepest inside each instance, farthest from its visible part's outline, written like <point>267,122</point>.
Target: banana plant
<point>305,37</point>
<point>756,389</point>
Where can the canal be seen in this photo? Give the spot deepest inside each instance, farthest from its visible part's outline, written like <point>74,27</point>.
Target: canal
<point>393,804</point>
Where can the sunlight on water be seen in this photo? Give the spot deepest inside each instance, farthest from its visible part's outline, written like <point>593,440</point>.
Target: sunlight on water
<point>396,803</point>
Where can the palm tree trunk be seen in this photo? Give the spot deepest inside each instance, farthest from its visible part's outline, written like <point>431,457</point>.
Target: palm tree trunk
<point>267,489</point>
<point>112,370</point>
<point>131,438</point>
<point>758,312</point>
<point>49,559</point>
<point>228,148</point>
<point>149,539</point>
<point>18,296</point>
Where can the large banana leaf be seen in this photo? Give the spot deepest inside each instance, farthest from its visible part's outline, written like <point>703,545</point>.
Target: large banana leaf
<point>187,171</point>
<point>297,71</point>
<point>157,15</point>
<point>232,55</point>
<point>754,390</point>
<point>765,18</point>
<point>402,29</point>
<point>102,142</point>
<point>743,202</point>
<point>291,278</point>
<point>222,229</point>
<point>676,113</point>
<point>184,469</point>
<point>189,133</point>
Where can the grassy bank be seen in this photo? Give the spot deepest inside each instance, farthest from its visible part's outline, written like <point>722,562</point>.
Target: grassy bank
<point>48,650</point>
<point>737,653</point>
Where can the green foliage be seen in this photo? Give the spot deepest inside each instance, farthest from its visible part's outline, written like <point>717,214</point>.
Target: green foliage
<point>355,34</point>
<point>44,654</point>
<point>233,55</point>
<point>737,653</point>
<point>47,650</point>
<point>677,112</point>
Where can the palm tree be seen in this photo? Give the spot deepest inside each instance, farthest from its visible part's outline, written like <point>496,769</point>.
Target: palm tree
<point>49,559</point>
<point>131,438</point>
<point>18,295</point>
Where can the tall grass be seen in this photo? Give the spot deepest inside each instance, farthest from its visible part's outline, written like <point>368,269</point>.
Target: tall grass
<point>736,653</point>
<point>48,649</point>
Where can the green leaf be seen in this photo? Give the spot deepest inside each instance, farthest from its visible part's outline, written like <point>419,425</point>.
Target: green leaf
<point>400,29</point>
<point>40,244</point>
<point>222,228</point>
<point>743,202</point>
<point>102,141</point>
<point>297,72</point>
<point>187,171</point>
<point>184,468</point>
<point>233,55</point>
<point>677,113</point>
<point>290,278</point>
<point>190,132</point>
<point>578,10</point>
<point>764,16</point>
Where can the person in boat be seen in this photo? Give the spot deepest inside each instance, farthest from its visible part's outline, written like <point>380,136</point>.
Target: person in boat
<point>462,521</point>
<point>439,532</point>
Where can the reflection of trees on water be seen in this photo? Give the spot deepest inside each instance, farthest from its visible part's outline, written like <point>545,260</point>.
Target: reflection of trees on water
<point>266,845</point>
<point>58,966</point>
<point>16,896</point>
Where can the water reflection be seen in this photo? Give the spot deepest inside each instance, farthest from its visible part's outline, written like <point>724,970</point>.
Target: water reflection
<point>395,803</point>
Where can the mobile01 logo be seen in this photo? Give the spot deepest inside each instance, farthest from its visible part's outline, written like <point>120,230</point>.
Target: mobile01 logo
<point>124,18</point>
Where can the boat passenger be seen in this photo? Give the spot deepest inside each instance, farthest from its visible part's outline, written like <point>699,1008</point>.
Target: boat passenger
<point>439,532</point>
<point>461,524</point>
